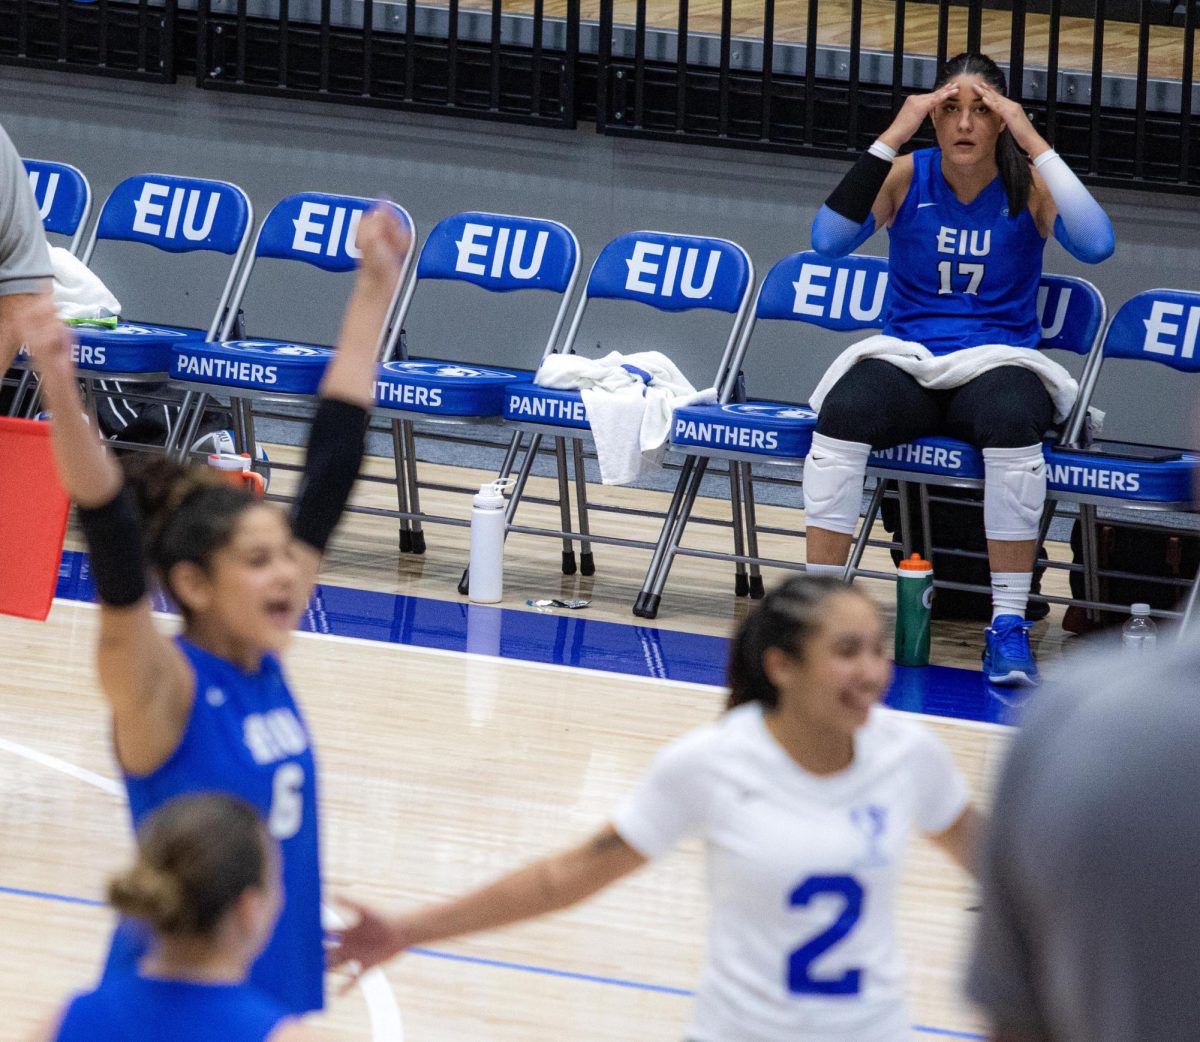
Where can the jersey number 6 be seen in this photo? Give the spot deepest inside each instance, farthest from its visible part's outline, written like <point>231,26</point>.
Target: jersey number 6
<point>800,981</point>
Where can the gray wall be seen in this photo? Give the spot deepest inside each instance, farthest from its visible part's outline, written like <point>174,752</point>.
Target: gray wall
<point>599,186</point>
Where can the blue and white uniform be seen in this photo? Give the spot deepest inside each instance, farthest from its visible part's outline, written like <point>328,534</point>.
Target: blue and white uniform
<point>803,872</point>
<point>961,274</point>
<point>131,1008</point>
<point>246,737</point>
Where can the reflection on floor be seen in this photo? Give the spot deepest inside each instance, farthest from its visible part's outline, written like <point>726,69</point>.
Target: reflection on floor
<point>561,637</point>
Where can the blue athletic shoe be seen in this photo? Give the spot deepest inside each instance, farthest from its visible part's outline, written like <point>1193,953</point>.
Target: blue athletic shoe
<point>1007,659</point>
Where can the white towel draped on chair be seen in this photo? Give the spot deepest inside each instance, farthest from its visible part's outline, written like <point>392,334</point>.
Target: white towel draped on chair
<point>78,291</point>
<point>630,400</point>
<point>941,373</point>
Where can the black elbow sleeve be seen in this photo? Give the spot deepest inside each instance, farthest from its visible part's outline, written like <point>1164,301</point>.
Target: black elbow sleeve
<point>113,533</point>
<point>335,452</point>
<point>856,193</point>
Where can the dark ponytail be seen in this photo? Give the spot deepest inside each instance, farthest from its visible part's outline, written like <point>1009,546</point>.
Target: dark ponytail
<point>197,855</point>
<point>1012,163</point>
<point>189,512</point>
<point>787,617</point>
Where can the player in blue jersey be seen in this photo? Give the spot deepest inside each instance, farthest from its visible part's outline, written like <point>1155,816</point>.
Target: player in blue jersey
<point>211,710</point>
<point>968,221</point>
<point>206,884</point>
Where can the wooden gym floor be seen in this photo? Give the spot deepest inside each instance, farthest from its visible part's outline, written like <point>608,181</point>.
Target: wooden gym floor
<point>440,770</point>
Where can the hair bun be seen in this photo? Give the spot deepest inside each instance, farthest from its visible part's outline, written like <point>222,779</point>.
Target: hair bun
<point>150,894</point>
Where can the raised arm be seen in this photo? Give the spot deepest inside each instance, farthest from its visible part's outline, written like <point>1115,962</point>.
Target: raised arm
<point>554,882</point>
<point>347,392</point>
<point>1061,203</point>
<point>26,309</point>
<point>144,676</point>
<point>868,197</point>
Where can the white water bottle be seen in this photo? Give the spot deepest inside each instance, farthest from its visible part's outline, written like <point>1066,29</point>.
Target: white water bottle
<point>1139,634</point>
<point>486,576</point>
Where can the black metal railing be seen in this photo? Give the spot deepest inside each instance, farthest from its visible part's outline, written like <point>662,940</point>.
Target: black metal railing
<point>670,70</point>
<point>133,39</point>
<point>759,92</point>
<point>399,56</point>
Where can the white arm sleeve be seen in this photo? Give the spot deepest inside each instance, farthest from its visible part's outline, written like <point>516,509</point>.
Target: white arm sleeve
<point>672,800</point>
<point>1082,226</point>
<point>942,793</point>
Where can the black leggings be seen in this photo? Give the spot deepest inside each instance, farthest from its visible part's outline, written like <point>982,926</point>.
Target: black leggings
<point>881,405</point>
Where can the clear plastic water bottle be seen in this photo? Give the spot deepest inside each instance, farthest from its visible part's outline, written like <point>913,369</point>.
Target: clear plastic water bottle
<point>1139,634</point>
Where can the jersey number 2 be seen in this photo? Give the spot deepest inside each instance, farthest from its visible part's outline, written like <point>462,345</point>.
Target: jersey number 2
<point>287,801</point>
<point>800,980</point>
<point>972,272</point>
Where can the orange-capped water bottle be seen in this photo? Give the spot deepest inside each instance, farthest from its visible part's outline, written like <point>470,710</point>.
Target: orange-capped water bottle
<point>914,604</point>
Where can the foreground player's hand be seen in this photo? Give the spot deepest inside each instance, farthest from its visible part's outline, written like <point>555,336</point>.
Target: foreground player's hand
<point>30,318</point>
<point>915,110</point>
<point>383,240</point>
<point>372,939</point>
<point>1015,119</point>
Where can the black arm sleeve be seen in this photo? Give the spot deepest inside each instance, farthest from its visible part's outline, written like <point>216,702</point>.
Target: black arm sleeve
<point>857,191</point>
<point>114,539</point>
<point>335,452</point>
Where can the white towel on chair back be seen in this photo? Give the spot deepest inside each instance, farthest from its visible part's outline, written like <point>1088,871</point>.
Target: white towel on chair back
<point>630,400</point>
<point>944,372</point>
<point>78,291</point>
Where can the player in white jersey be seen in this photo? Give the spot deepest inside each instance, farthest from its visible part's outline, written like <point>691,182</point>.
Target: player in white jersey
<point>804,793</point>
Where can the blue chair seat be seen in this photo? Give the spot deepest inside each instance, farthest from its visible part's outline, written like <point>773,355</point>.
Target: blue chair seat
<point>130,348</point>
<point>769,429</point>
<point>1085,474</point>
<point>1133,481</point>
<point>944,457</point>
<point>444,388</point>
<point>274,366</point>
<point>531,403</point>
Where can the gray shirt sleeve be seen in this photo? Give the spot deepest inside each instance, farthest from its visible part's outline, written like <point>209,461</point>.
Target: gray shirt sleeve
<point>24,259</point>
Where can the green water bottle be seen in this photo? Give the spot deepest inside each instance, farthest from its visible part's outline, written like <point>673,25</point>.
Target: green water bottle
<point>914,601</point>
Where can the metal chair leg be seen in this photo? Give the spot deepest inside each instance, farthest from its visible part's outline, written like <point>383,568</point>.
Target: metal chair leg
<point>401,472</point>
<point>654,597</point>
<point>1189,609</point>
<point>864,536</point>
<point>642,606</point>
<point>587,562</point>
<point>756,579</point>
<point>414,492</point>
<point>741,584</point>
<point>564,506</point>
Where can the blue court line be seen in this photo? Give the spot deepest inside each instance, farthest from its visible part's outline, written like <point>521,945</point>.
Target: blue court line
<point>571,639</point>
<point>476,960</point>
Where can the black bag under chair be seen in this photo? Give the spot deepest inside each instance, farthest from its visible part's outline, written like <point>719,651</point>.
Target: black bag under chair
<point>956,525</point>
<point>1151,559</point>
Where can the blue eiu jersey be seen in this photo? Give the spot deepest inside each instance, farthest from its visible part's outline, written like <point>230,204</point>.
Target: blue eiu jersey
<point>246,737</point>
<point>129,1008</point>
<point>961,274</point>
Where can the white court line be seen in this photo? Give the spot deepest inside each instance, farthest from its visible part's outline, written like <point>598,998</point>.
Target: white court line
<point>382,1008</point>
<point>554,667</point>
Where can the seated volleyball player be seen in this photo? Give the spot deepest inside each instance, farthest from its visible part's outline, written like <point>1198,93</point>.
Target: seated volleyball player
<point>968,221</point>
<point>206,883</point>
<point>211,709</point>
<point>804,793</point>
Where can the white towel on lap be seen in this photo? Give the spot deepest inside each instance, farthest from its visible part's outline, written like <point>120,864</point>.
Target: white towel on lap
<point>630,400</point>
<point>943,372</point>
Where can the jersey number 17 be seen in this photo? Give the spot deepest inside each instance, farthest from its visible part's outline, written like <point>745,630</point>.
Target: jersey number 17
<point>973,273</point>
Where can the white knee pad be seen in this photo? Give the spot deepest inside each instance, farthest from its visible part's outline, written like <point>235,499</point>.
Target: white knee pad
<point>1014,492</point>
<point>833,483</point>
